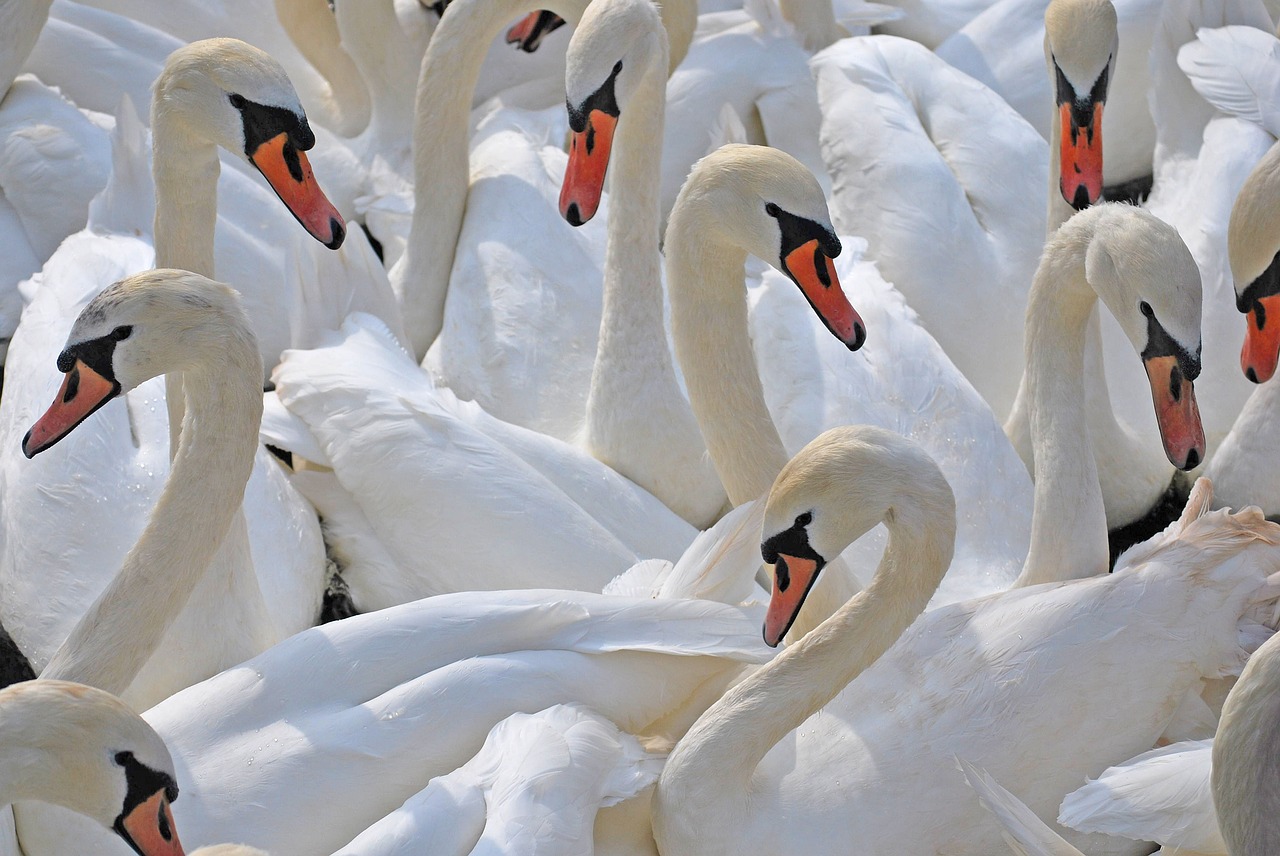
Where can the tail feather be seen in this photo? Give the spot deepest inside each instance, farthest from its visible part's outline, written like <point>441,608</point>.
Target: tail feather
<point>1024,832</point>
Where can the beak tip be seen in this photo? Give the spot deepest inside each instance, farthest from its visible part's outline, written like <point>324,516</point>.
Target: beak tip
<point>772,643</point>
<point>338,233</point>
<point>573,214</point>
<point>1193,460</point>
<point>26,446</point>
<point>1251,374</point>
<point>859,337</point>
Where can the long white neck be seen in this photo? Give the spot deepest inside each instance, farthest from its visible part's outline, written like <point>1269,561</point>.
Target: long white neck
<point>1246,787</point>
<point>199,503</point>
<point>727,743</point>
<point>815,22</point>
<point>20,24</point>
<point>713,344</point>
<point>441,156</point>
<point>311,26</point>
<point>1068,525</point>
<point>633,382</point>
<point>388,61</point>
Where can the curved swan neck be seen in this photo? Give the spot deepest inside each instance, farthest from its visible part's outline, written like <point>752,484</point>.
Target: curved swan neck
<point>729,741</point>
<point>1068,525</point>
<point>441,161</point>
<point>314,31</point>
<point>388,61</point>
<point>202,496</point>
<point>1245,785</point>
<point>713,344</point>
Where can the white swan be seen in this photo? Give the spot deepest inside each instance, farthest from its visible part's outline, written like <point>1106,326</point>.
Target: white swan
<point>1003,47</point>
<point>121,449</point>
<point>637,418</point>
<point>975,655</point>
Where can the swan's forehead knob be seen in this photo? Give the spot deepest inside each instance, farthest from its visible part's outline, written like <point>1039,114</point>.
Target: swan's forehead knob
<point>603,99</point>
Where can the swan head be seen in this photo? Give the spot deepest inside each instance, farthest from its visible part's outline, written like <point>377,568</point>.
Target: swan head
<point>1144,273</point>
<point>136,329</point>
<point>615,46</point>
<point>1253,245</point>
<point>237,97</point>
<point>836,489</point>
<point>764,201</point>
<point>1080,43</point>
<point>97,758</point>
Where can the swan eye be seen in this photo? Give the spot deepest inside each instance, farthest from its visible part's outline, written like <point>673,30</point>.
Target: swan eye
<point>122,332</point>
<point>803,520</point>
<point>1145,308</point>
<point>237,100</point>
<point>772,210</point>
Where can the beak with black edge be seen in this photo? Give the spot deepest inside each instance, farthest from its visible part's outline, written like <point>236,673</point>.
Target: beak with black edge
<point>83,391</point>
<point>1171,368</point>
<point>149,828</point>
<point>593,125</point>
<point>793,577</point>
<point>813,270</point>
<point>287,170</point>
<point>1080,141</point>
<point>1260,302</point>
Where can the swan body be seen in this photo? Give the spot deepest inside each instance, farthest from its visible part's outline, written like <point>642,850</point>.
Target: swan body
<point>892,746</point>
<point>553,498</point>
<point>395,698</point>
<point>900,126</point>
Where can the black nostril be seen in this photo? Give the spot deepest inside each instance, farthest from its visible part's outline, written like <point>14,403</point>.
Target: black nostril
<point>1251,374</point>
<point>573,215</point>
<point>1193,458</point>
<point>339,233</point>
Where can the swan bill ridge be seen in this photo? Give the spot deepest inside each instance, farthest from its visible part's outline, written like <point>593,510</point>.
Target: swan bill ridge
<point>796,566</point>
<point>1171,369</point>
<point>592,125</point>
<point>1260,303</point>
<point>88,383</point>
<point>146,821</point>
<point>1080,139</point>
<point>528,34</point>
<point>805,256</point>
<point>275,142</point>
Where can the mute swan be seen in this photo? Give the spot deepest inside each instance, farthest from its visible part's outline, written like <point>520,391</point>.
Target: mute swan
<point>616,93</point>
<point>1003,48</point>
<point>803,379</point>
<point>120,450</point>
<point>975,655</point>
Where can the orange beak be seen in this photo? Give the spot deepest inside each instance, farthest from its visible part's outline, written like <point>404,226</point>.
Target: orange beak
<point>1176,412</point>
<point>815,273</point>
<point>150,828</point>
<point>792,579</point>
<point>1261,348</point>
<point>83,391</point>
<point>1080,174</point>
<point>287,170</point>
<point>588,162</point>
